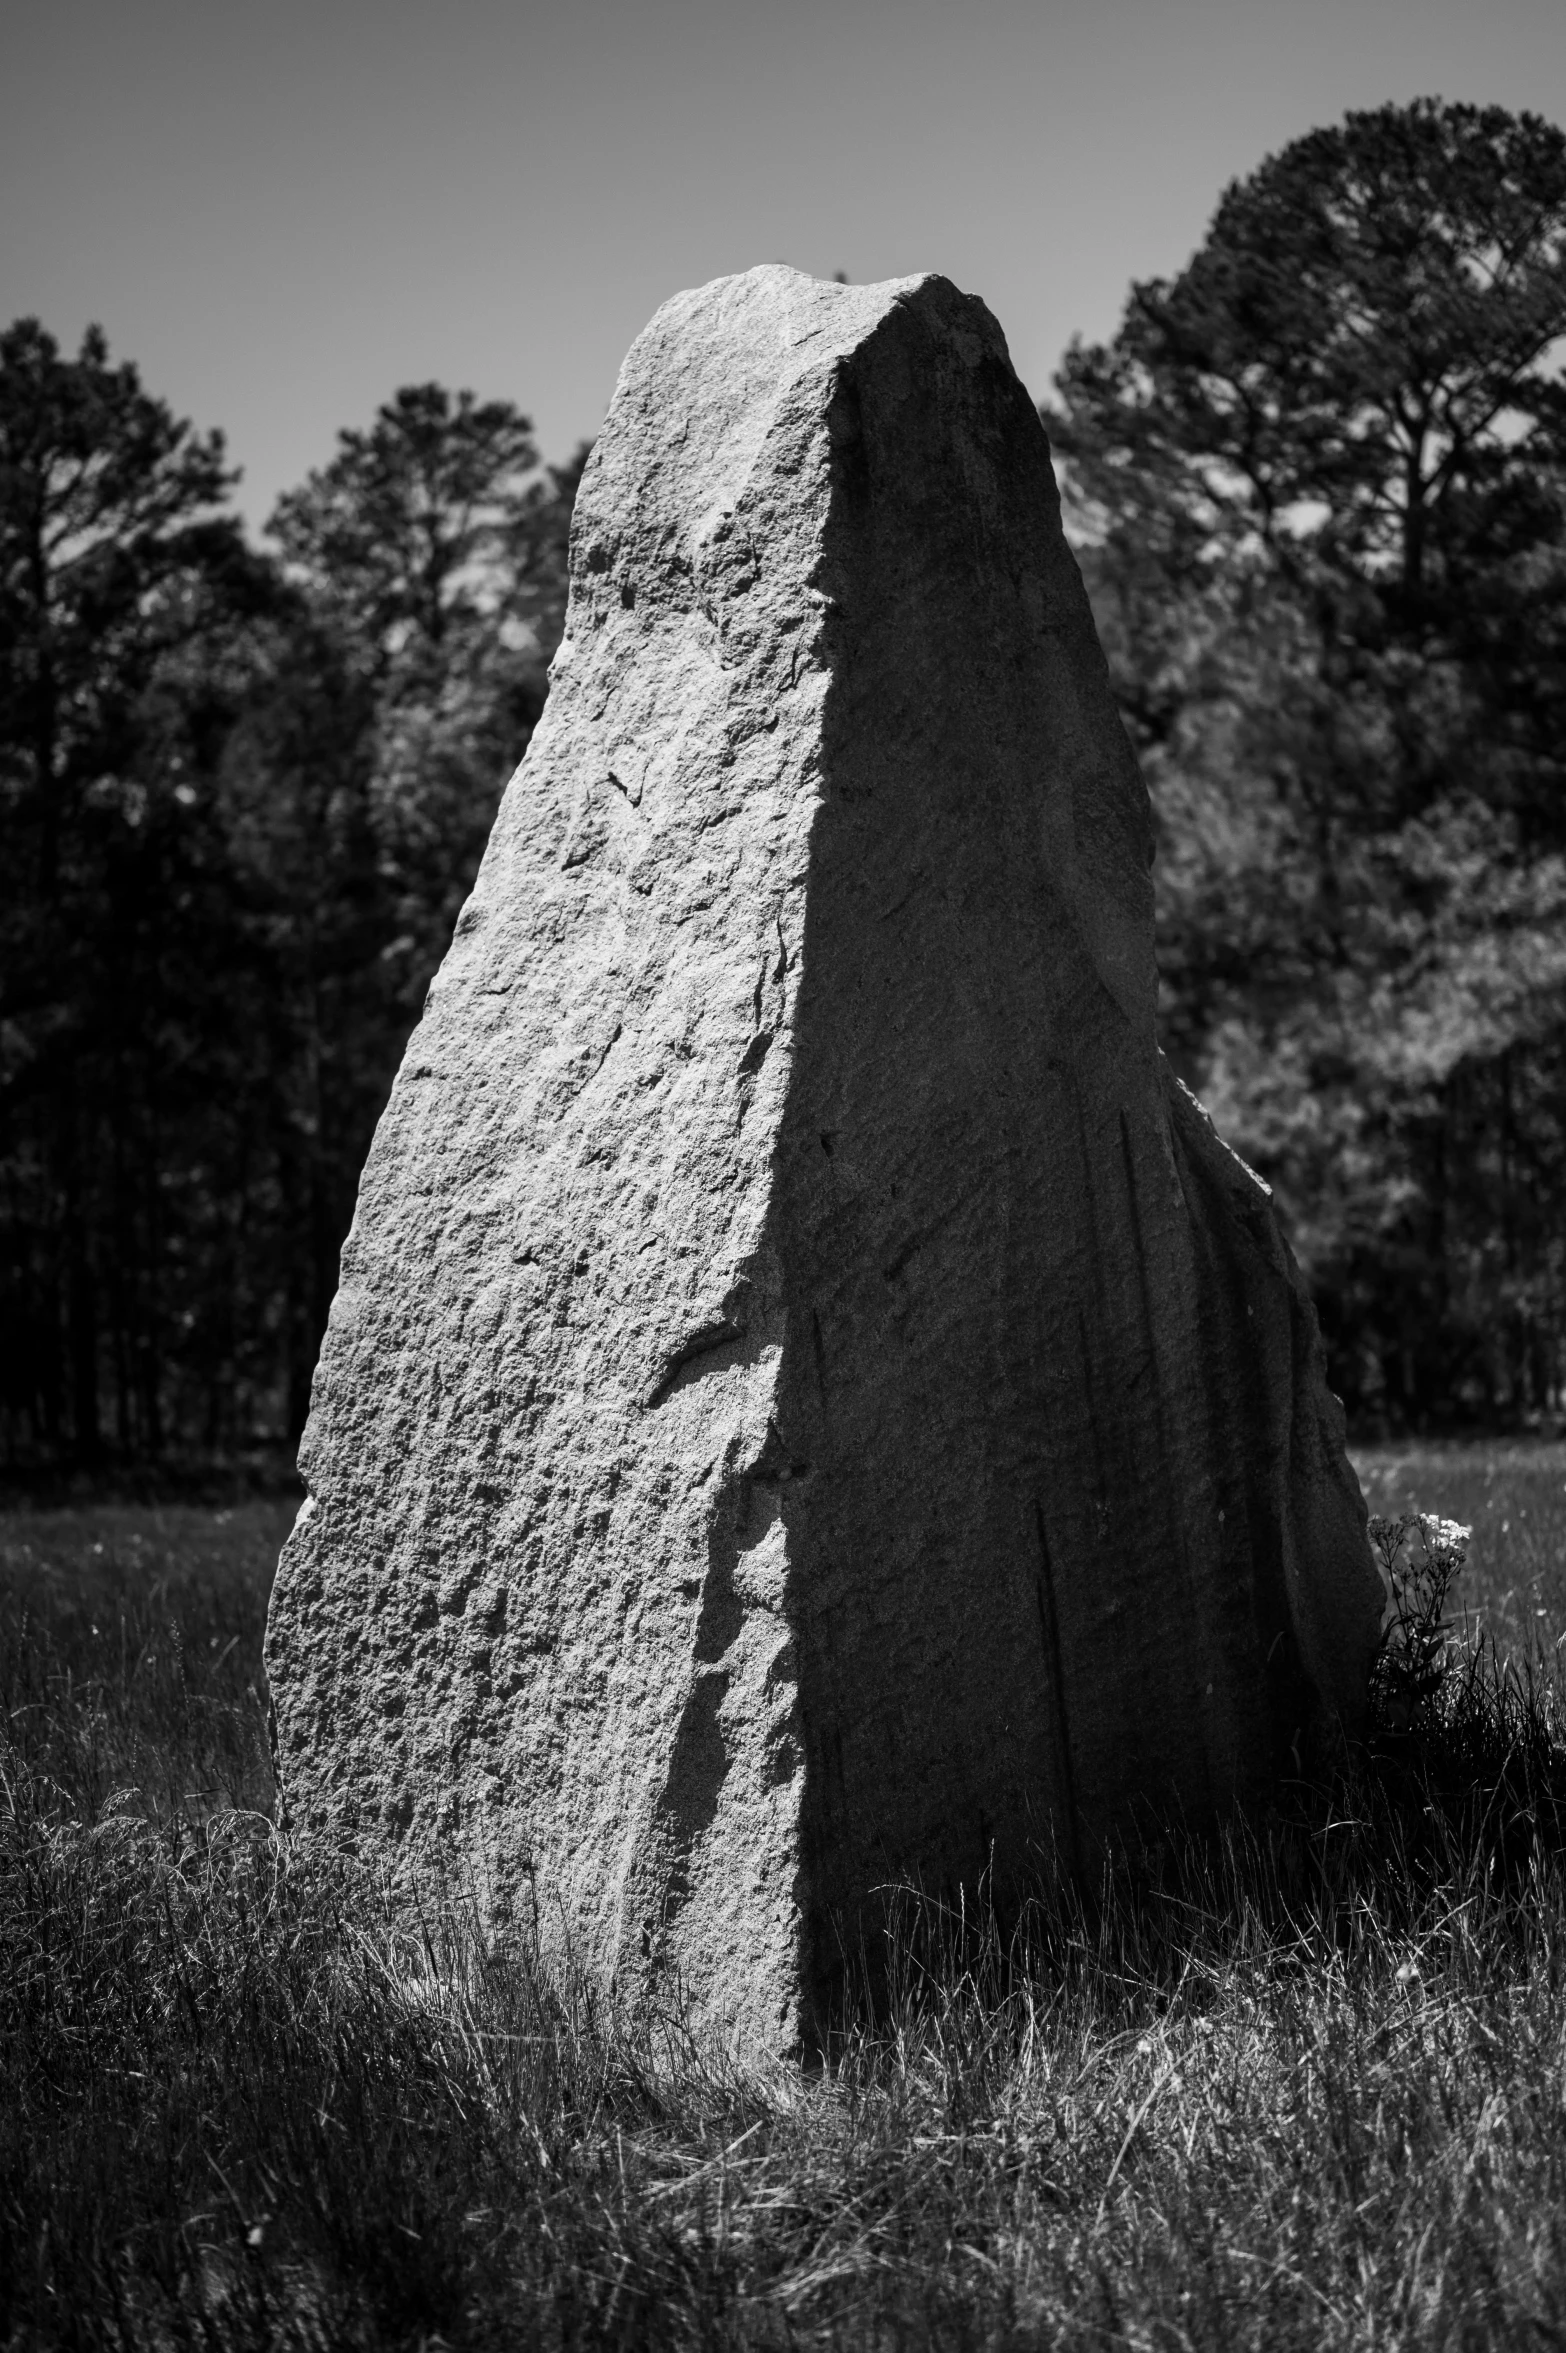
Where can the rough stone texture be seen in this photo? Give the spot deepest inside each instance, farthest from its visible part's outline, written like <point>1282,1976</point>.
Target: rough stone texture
<point>810,1401</point>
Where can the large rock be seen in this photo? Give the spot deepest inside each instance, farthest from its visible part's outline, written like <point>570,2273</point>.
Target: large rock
<point>810,1402</point>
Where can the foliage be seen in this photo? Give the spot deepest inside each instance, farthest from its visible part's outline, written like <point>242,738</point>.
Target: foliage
<point>1321,481</point>
<point>1420,1555</point>
<point>1294,2086</point>
<point>1513,1496</point>
<point>240,804</point>
<point>433,549</point>
<point>128,640</point>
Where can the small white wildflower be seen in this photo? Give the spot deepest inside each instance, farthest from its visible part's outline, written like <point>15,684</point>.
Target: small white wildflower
<point>1448,1534</point>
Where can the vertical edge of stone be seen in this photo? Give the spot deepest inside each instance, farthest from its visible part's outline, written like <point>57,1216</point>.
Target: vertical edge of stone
<point>1284,1434</point>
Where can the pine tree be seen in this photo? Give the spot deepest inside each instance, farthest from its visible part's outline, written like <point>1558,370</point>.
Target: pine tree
<point>1320,479</point>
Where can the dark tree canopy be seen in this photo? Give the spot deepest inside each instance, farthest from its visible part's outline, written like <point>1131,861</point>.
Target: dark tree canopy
<point>127,608</point>
<point>432,548</point>
<point>1319,480</point>
<point>403,534</point>
<point>108,545</point>
<point>1318,485</point>
<point>240,804</point>
<point>1356,385</point>
<point>1358,363</point>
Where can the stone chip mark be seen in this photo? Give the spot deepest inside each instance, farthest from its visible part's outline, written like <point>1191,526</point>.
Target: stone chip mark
<point>679,1367</point>
<point>627,774</point>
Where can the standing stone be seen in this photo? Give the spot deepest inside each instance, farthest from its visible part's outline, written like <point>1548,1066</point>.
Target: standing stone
<point>811,1403</point>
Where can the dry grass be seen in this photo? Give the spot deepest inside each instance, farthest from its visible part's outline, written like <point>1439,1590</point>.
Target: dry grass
<point>1304,2085</point>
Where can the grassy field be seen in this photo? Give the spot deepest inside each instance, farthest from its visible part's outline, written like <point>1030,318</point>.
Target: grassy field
<point>1304,2086</point>
<point>130,1655</point>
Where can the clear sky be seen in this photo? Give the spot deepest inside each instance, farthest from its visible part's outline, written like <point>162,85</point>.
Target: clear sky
<point>283,209</point>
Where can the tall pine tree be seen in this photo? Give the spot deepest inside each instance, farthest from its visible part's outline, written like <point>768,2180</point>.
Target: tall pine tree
<point>1320,481</point>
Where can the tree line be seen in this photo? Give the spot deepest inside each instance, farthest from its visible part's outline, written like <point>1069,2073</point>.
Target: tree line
<point>242,796</point>
<point>1317,484</point>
